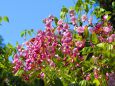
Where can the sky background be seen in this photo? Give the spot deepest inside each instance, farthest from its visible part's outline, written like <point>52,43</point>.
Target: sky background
<point>27,14</point>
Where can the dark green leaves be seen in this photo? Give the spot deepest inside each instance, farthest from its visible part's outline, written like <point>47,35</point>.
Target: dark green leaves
<point>58,82</point>
<point>55,20</point>
<point>38,82</point>
<point>113,4</point>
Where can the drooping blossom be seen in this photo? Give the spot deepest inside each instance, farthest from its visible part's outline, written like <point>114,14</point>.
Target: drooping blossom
<point>73,20</point>
<point>49,47</point>
<point>111,38</point>
<point>73,17</point>
<point>107,29</point>
<point>80,29</point>
<point>84,18</point>
<point>72,13</point>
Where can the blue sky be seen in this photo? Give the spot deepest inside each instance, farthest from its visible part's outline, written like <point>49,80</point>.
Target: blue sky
<point>27,14</point>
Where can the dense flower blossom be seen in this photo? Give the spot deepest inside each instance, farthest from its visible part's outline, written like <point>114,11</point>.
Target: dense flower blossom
<point>61,46</point>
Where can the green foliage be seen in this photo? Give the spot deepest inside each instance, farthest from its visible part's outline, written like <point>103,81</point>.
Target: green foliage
<point>63,12</point>
<point>5,18</point>
<point>84,5</point>
<point>72,71</point>
<point>94,38</point>
<point>26,32</point>
<point>96,82</point>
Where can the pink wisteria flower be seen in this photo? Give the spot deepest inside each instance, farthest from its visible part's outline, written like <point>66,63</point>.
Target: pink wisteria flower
<point>107,29</point>
<point>84,18</point>
<point>80,29</point>
<point>105,17</point>
<point>60,44</point>
<point>72,12</point>
<point>73,20</point>
<point>60,22</point>
<point>80,44</point>
<point>111,38</point>
<point>72,17</point>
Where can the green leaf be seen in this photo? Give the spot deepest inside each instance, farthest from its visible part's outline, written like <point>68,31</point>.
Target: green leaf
<point>86,50</point>
<point>63,12</point>
<point>62,15</point>
<point>71,8</point>
<point>0,19</point>
<point>9,45</point>
<point>1,65</point>
<point>101,45</point>
<point>64,9</point>
<point>109,46</point>
<point>85,5</point>
<point>83,83</point>
<point>96,82</point>
<point>22,33</point>
<point>6,19</point>
<point>32,30</point>
<point>92,2</point>
<point>94,38</point>
<point>56,20</point>
<point>113,4</point>
<point>78,5</point>
<point>29,32</point>
<point>19,72</point>
<point>109,17</point>
<point>86,32</point>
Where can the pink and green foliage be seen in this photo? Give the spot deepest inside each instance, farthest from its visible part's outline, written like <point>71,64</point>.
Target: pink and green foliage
<point>69,53</point>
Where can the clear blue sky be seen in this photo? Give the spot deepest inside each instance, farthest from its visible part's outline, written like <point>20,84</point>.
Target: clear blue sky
<point>27,14</point>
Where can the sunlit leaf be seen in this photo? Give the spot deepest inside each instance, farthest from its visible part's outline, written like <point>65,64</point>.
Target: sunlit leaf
<point>6,19</point>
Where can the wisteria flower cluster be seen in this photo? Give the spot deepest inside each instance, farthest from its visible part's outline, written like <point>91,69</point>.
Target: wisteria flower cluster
<point>83,53</point>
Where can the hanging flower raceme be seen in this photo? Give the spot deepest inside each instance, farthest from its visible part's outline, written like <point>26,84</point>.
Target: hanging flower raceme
<point>60,49</point>
<point>72,17</point>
